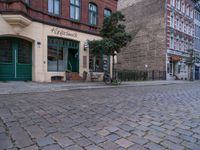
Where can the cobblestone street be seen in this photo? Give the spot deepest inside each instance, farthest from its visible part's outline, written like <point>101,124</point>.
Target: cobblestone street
<point>134,118</point>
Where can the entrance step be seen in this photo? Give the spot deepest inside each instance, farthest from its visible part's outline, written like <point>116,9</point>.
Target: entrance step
<point>75,76</point>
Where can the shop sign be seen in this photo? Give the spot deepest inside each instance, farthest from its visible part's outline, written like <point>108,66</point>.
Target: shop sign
<point>62,33</point>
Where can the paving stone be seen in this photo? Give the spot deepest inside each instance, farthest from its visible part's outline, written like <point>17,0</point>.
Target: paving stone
<point>52,147</point>
<point>124,143</point>
<point>190,145</point>
<point>103,132</point>
<point>64,142</point>
<point>109,145</point>
<point>83,142</point>
<point>73,147</point>
<point>158,128</point>
<point>21,137</point>
<point>188,138</point>
<point>97,139</point>
<point>2,130</point>
<point>138,140</point>
<point>44,141</point>
<point>136,147</point>
<point>93,147</point>
<point>154,146</point>
<point>35,132</point>
<point>172,145</point>
<point>173,139</point>
<point>123,133</point>
<point>5,141</point>
<point>112,137</point>
<point>183,131</point>
<point>153,138</point>
<point>112,128</point>
<point>126,127</point>
<point>33,147</point>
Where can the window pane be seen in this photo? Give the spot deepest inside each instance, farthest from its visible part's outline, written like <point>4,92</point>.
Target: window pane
<point>57,7</point>
<point>77,2</point>
<point>24,53</point>
<point>72,2</point>
<point>62,59</point>
<point>50,6</point>
<point>72,13</point>
<point>52,58</point>
<point>77,13</point>
<point>107,12</point>
<point>5,51</point>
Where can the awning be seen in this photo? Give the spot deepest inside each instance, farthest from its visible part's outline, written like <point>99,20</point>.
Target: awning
<point>197,64</point>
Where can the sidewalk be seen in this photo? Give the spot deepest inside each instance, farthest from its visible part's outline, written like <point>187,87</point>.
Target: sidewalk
<point>34,87</point>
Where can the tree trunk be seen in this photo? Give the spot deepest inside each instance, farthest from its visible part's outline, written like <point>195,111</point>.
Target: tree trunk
<point>113,66</point>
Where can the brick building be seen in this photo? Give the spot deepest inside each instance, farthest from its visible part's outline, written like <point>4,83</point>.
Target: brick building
<point>162,32</point>
<point>41,39</point>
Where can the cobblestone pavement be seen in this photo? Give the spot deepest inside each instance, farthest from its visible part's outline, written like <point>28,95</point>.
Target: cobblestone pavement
<point>134,118</point>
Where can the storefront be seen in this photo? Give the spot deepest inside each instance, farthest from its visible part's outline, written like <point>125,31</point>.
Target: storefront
<point>177,68</point>
<point>38,52</point>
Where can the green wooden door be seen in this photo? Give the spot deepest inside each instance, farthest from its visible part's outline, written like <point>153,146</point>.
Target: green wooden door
<point>15,59</point>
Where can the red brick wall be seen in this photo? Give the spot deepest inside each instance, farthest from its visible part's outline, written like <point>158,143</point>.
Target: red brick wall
<point>38,11</point>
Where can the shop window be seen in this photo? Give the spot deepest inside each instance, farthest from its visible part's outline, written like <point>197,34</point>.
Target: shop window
<point>5,51</point>
<point>92,14</point>
<point>75,9</point>
<point>57,56</point>
<point>99,63</point>
<point>107,12</point>
<point>54,6</point>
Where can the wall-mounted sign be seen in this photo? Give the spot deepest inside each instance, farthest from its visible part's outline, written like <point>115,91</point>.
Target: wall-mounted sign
<point>62,33</point>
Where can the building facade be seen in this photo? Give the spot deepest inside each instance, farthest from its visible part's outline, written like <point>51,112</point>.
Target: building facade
<point>197,41</point>
<point>162,33</point>
<point>41,39</point>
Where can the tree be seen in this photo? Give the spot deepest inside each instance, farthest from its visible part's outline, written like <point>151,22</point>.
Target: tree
<point>114,37</point>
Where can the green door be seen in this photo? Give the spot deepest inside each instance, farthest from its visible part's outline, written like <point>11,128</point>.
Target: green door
<point>15,60</point>
<point>73,60</point>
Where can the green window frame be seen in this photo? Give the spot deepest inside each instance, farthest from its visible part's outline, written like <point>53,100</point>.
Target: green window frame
<point>54,7</point>
<point>93,14</point>
<point>75,9</point>
<point>107,12</point>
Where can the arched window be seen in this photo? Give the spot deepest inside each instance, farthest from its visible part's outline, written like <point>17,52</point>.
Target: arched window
<point>92,14</point>
<point>75,9</point>
<point>107,12</point>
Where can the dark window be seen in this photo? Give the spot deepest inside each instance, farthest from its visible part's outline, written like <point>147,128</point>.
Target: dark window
<point>27,1</point>
<point>92,14</point>
<point>54,6</point>
<point>24,52</point>
<point>107,12</point>
<point>5,51</point>
<point>75,9</point>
